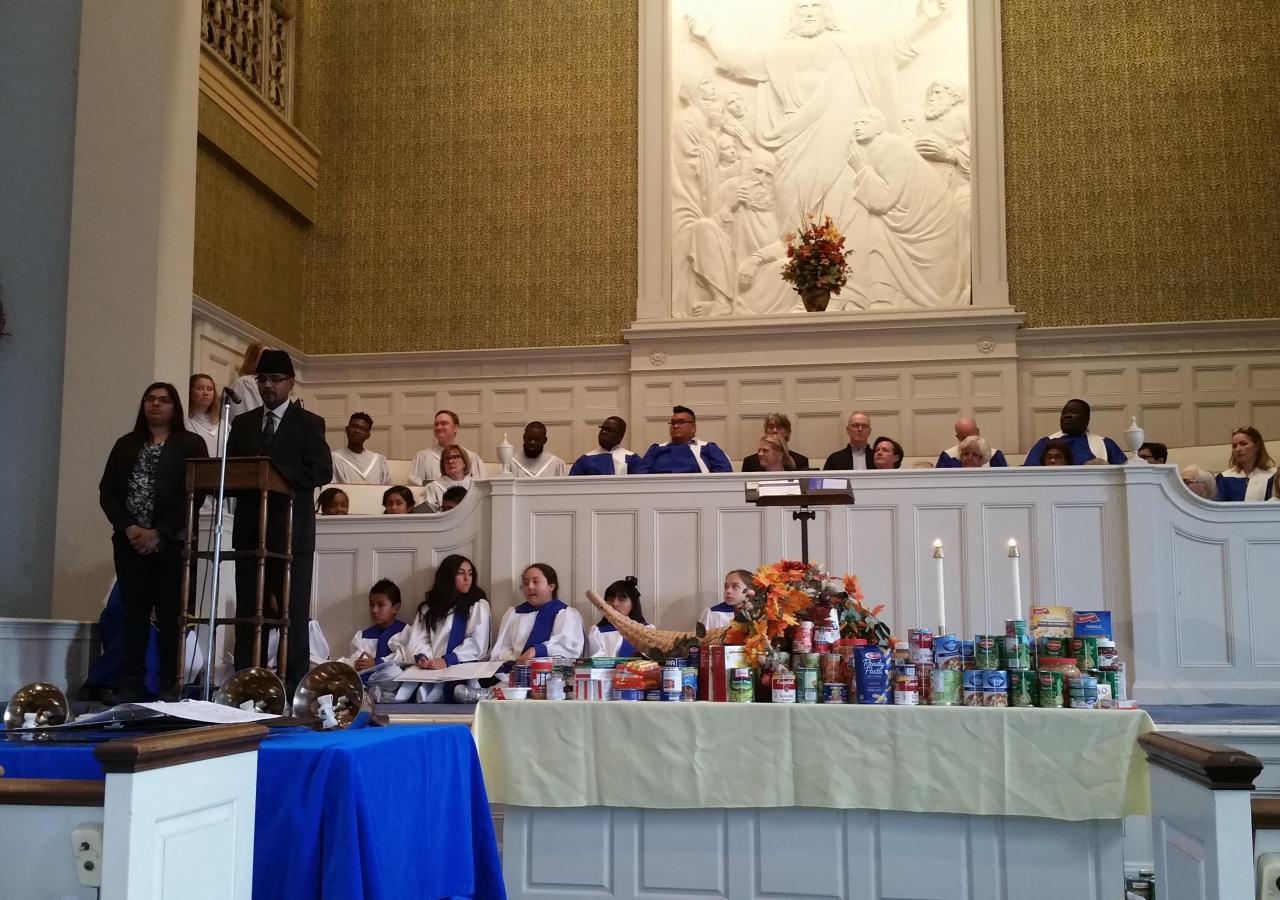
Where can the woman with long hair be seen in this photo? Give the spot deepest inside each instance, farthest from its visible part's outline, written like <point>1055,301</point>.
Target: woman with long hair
<point>202,411</point>
<point>1252,473</point>
<point>451,626</point>
<point>246,386</point>
<point>143,493</point>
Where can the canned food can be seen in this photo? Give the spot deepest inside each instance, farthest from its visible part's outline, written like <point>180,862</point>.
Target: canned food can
<point>944,689</point>
<point>741,688</point>
<point>924,675</point>
<point>833,692</point>
<point>672,683</point>
<point>689,683</point>
<point>832,668</point>
<point>1015,628</point>
<point>1053,646</point>
<point>555,686</point>
<point>1022,688</point>
<point>1121,689</point>
<point>972,688</point>
<point>986,652</point>
<point>1049,694</point>
<point>1110,679</point>
<point>539,669</point>
<point>906,688</point>
<point>784,687</point>
<point>967,655</point>
<point>653,694</point>
<point>1085,650</point>
<point>1017,652</point>
<point>802,638</point>
<point>946,652</point>
<point>807,686</point>
<point>628,694</point>
<point>1082,691</point>
<point>995,688</point>
<point>920,645</point>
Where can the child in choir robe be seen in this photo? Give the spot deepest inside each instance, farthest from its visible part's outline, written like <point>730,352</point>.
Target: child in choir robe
<point>397,501</point>
<point>535,461</point>
<point>737,588</point>
<point>202,410</point>
<point>541,626</point>
<point>246,386</point>
<point>451,626</point>
<point>452,497</point>
<point>603,638</point>
<point>333,502</point>
<point>610,458</point>
<point>353,464</point>
<point>374,644</point>
<point>455,462</point>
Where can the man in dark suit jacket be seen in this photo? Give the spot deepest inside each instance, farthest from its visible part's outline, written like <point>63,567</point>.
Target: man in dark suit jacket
<point>857,454</point>
<point>294,439</point>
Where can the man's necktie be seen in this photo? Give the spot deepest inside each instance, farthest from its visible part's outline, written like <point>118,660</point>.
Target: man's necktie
<point>268,429</point>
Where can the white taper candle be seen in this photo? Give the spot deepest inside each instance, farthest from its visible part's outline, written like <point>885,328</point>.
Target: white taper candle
<point>942,597</point>
<point>1017,579</point>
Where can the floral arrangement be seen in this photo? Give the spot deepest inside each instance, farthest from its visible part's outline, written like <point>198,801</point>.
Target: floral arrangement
<point>817,258</point>
<point>788,592</point>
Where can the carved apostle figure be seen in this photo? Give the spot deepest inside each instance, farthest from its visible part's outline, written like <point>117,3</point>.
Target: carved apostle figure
<point>810,84</point>
<point>914,229</point>
<point>740,122</point>
<point>757,247</point>
<point>944,141</point>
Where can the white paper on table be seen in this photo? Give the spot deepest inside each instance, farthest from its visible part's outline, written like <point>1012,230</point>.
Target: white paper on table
<point>828,484</point>
<point>206,712</point>
<point>778,488</point>
<point>459,672</point>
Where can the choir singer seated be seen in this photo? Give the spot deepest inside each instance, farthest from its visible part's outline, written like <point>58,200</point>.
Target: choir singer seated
<point>684,452</point>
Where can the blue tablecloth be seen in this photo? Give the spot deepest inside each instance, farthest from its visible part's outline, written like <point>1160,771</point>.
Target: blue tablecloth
<point>377,813</point>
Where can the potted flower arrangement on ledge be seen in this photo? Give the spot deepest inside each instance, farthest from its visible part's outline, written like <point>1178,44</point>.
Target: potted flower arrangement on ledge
<point>817,263</point>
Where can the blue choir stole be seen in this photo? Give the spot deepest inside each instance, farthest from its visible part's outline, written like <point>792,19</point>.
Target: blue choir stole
<point>383,637</point>
<point>625,648</point>
<point>457,634</point>
<point>545,621</point>
<point>724,608</point>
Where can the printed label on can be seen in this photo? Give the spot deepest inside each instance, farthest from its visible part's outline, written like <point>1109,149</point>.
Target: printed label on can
<point>784,687</point>
<point>1049,695</point>
<point>833,692</point>
<point>995,688</point>
<point>986,651</point>
<point>807,686</point>
<point>921,646</point>
<point>802,638</point>
<point>741,688</point>
<point>672,683</point>
<point>946,652</point>
<point>1053,646</point>
<point>689,684</point>
<point>1022,688</point>
<point>1017,652</point>
<point>967,654</point>
<point>944,687</point>
<point>1085,650</point>
<point>1015,628</point>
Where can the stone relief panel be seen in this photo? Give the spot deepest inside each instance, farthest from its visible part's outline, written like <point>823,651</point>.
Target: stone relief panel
<point>786,109</point>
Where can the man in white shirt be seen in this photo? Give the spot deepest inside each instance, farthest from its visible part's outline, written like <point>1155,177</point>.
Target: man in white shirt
<point>536,462</point>
<point>426,464</point>
<point>857,453</point>
<point>353,464</point>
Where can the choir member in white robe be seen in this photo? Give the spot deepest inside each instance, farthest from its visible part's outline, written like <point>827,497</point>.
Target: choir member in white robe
<point>450,627</point>
<point>603,640</point>
<point>1084,444</point>
<point>610,458</point>
<point>1252,473</point>
<point>246,386</point>
<point>684,452</point>
<point>737,588</point>
<point>535,461</point>
<point>426,463</point>
<point>202,411</point>
<point>372,645</point>
<point>456,463</point>
<point>353,464</point>
<point>542,626</point>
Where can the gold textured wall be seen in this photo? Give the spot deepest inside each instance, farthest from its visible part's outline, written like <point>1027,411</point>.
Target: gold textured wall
<point>478,178</point>
<point>1140,142</point>
<point>248,252</point>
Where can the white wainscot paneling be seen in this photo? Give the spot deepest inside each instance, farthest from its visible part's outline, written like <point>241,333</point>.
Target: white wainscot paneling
<point>1189,583</point>
<point>59,651</point>
<point>765,854</point>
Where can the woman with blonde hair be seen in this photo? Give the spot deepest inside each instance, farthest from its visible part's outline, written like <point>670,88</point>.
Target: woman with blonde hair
<point>455,471</point>
<point>774,455</point>
<point>246,386</point>
<point>1252,472</point>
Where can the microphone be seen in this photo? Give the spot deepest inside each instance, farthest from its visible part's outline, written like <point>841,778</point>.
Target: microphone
<point>227,392</point>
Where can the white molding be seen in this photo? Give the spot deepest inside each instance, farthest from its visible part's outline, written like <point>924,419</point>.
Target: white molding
<point>989,252</point>
<point>1155,338</point>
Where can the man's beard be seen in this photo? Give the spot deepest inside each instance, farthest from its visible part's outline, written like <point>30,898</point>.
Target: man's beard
<point>760,196</point>
<point>811,29</point>
<point>937,110</point>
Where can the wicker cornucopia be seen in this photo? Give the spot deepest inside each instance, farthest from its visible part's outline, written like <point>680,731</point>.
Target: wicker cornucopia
<point>643,638</point>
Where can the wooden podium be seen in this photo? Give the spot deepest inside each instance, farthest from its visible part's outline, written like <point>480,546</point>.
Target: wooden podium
<point>808,492</point>
<point>244,474</point>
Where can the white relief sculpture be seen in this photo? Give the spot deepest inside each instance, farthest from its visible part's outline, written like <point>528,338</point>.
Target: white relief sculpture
<point>914,230</point>
<point>793,76</point>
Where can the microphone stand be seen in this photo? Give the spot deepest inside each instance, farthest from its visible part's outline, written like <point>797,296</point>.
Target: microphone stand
<point>223,434</point>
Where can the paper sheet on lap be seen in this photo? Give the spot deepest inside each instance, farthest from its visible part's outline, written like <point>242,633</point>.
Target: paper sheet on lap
<point>460,672</point>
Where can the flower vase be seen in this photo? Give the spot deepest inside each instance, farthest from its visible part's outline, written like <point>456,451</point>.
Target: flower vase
<point>815,299</point>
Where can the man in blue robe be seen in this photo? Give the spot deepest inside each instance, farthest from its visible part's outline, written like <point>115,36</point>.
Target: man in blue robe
<point>1074,422</point>
<point>610,458</point>
<point>684,452</point>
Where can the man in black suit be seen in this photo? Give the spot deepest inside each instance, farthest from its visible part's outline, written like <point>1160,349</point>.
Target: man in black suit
<point>294,439</point>
<point>777,424</point>
<point>857,454</point>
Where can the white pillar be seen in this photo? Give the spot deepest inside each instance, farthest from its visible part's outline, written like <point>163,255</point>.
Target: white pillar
<point>986,82</point>
<point>132,254</point>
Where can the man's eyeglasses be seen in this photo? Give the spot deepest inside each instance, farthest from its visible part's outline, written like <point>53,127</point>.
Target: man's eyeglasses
<point>270,379</point>
<point>674,422</point>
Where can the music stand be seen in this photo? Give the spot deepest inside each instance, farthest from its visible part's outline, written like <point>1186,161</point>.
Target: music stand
<point>807,493</point>
<point>242,474</point>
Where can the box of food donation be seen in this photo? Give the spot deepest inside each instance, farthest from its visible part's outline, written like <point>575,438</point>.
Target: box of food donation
<point>714,664</point>
<point>1093,623</point>
<point>1052,621</point>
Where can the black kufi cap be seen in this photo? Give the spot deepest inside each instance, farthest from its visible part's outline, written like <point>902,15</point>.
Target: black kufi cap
<point>275,362</point>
